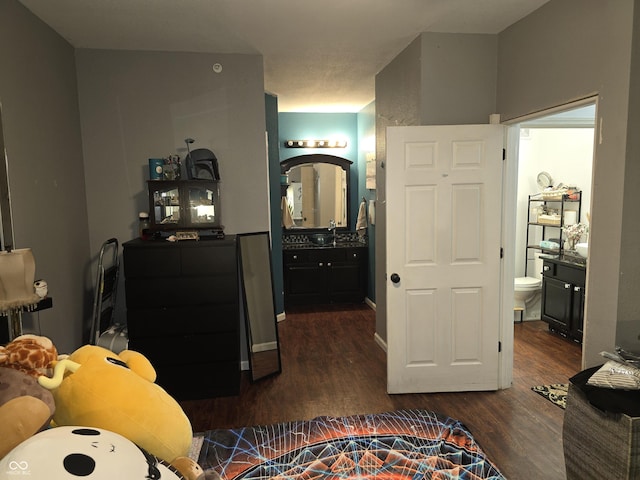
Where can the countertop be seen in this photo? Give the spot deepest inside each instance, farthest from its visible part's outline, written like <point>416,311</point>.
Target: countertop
<point>313,246</point>
<point>567,259</point>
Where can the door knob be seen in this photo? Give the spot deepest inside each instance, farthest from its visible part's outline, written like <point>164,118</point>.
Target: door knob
<point>395,278</point>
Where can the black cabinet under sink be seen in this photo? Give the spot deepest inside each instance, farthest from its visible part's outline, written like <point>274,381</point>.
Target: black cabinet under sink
<point>563,294</point>
<point>325,275</point>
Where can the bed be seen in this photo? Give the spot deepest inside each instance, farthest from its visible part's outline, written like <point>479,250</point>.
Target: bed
<point>393,445</point>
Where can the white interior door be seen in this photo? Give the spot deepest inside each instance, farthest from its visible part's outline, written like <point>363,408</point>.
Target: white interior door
<point>443,208</point>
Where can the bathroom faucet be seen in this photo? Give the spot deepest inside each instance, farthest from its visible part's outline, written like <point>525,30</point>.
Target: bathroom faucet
<point>332,229</point>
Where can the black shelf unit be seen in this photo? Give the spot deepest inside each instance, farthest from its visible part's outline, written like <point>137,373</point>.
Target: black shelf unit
<point>559,204</point>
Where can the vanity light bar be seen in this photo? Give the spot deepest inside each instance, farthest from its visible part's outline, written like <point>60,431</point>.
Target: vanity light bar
<point>315,143</point>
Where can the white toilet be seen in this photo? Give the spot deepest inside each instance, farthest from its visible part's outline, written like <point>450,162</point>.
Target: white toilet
<point>525,290</point>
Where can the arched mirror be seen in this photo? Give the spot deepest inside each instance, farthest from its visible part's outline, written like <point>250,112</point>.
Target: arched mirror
<point>317,190</point>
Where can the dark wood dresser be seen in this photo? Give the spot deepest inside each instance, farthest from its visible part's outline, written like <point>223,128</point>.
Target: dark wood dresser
<point>183,313</point>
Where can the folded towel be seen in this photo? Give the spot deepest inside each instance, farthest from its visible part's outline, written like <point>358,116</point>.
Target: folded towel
<point>287,220</point>
<point>361,223</point>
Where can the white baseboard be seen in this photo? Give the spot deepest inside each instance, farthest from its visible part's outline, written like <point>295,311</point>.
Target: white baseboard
<point>264,347</point>
<point>381,343</point>
<point>281,316</point>
<point>369,302</point>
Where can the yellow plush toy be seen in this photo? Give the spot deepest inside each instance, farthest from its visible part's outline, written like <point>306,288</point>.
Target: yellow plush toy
<point>117,393</point>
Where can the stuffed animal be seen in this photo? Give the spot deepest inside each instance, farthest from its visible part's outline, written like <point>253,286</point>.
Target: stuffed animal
<point>31,354</point>
<point>25,406</point>
<point>81,452</point>
<point>116,392</point>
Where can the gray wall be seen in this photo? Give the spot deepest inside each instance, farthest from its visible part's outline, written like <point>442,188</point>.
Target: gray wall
<point>397,103</point>
<point>116,111</point>
<point>562,52</point>
<point>458,78</point>
<point>439,78</point>
<point>140,105</point>
<point>566,50</point>
<point>628,327</point>
<point>46,174</point>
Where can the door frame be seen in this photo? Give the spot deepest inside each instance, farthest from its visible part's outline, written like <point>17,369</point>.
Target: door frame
<point>510,192</point>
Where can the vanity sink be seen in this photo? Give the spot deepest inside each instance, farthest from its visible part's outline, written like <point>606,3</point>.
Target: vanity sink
<point>322,239</point>
<point>582,249</point>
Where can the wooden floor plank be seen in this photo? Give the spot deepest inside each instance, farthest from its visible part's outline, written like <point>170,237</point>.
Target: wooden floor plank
<point>331,365</point>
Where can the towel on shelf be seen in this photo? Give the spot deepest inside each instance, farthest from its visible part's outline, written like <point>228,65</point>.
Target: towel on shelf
<point>287,220</point>
<point>361,223</point>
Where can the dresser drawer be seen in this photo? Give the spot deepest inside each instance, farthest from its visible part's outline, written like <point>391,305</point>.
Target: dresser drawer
<point>213,259</point>
<point>565,273</point>
<point>171,259</point>
<point>181,291</point>
<point>157,322</point>
<point>198,381</point>
<point>153,261</point>
<point>188,349</point>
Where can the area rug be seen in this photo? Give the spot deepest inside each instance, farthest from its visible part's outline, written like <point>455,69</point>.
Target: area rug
<point>405,444</point>
<point>555,393</point>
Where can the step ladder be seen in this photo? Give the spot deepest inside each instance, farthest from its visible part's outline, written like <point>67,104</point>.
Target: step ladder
<point>105,331</point>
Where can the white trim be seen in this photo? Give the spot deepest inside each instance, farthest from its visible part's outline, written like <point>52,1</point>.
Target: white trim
<point>509,203</point>
<point>264,347</point>
<point>593,98</point>
<point>368,301</point>
<point>281,316</point>
<point>380,341</point>
<point>505,374</point>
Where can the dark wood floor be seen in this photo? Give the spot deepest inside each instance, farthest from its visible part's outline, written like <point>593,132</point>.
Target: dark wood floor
<point>331,365</point>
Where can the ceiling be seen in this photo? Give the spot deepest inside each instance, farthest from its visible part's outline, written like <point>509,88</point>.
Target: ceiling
<point>319,56</point>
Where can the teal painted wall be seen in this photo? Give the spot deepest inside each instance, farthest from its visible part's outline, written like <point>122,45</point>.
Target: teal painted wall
<point>321,126</point>
<point>367,145</point>
<point>271,112</point>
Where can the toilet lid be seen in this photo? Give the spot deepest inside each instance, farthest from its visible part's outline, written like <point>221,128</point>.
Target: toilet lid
<point>527,281</point>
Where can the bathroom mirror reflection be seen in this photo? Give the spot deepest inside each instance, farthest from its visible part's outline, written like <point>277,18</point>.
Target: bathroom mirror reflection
<point>256,277</point>
<point>317,190</point>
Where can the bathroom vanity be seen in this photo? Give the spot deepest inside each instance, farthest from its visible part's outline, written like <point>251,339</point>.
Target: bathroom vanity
<point>322,274</point>
<point>563,293</point>
<point>323,262</point>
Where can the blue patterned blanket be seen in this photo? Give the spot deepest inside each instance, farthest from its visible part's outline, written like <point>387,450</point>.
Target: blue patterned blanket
<point>405,444</point>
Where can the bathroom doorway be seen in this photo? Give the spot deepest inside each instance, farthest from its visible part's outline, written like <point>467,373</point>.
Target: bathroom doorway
<point>555,154</point>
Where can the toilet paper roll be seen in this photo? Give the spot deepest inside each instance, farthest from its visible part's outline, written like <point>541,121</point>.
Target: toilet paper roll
<point>570,217</point>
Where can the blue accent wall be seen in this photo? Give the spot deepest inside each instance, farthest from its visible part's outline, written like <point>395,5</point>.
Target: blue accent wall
<point>323,126</point>
<point>367,145</point>
<point>271,112</point>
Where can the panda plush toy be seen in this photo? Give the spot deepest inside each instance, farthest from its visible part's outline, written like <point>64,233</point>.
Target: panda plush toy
<point>65,453</point>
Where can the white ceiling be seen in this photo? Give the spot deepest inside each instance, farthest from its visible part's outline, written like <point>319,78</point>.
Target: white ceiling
<point>319,55</point>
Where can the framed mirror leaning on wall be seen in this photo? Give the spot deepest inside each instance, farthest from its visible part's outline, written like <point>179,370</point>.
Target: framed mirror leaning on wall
<point>256,278</point>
